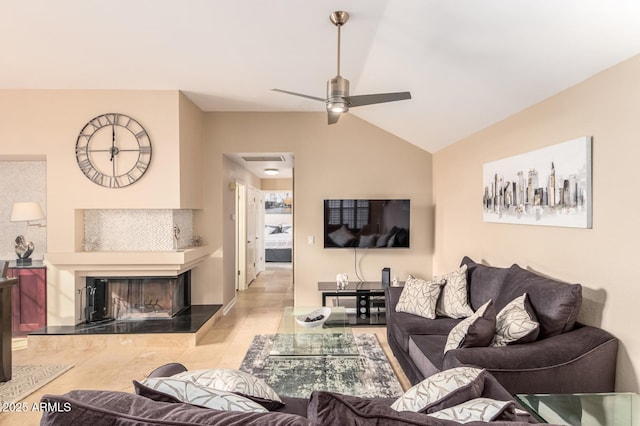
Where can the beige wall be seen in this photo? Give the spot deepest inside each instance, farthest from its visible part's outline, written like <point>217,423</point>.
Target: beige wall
<point>46,123</point>
<point>191,122</point>
<point>277,184</point>
<point>602,259</point>
<point>352,159</point>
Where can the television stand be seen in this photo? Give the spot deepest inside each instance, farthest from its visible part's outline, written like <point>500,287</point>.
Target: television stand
<point>364,301</point>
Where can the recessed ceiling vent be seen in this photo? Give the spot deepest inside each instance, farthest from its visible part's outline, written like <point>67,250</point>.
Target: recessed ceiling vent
<point>269,158</point>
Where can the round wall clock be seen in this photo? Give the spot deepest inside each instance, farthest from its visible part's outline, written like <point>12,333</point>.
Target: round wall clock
<point>113,150</point>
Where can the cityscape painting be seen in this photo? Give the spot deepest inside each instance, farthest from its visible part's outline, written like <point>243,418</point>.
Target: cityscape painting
<point>549,186</point>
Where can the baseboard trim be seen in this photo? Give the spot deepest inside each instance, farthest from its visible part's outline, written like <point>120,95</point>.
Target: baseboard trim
<point>230,306</point>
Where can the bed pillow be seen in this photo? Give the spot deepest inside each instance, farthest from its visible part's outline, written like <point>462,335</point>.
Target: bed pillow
<point>516,323</point>
<point>235,381</point>
<point>168,389</point>
<point>419,297</point>
<point>442,390</point>
<point>454,299</point>
<point>477,330</point>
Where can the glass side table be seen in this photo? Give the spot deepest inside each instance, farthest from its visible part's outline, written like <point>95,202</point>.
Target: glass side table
<point>584,409</point>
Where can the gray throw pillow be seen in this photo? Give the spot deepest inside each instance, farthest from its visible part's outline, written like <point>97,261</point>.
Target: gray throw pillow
<point>475,331</point>
<point>479,410</point>
<point>441,390</point>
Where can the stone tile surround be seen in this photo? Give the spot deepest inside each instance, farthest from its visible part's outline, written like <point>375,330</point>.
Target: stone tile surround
<point>137,230</point>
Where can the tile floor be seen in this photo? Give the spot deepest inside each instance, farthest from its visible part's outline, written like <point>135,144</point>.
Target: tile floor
<point>257,311</point>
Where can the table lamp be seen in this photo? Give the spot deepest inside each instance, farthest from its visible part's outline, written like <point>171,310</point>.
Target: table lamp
<point>25,212</point>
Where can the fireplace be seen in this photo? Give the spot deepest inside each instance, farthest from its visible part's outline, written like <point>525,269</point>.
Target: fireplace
<point>136,298</point>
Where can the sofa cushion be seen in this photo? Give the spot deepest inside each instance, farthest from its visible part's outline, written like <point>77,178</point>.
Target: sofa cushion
<point>442,390</point>
<point>477,330</point>
<point>102,408</point>
<point>426,352</point>
<point>454,299</point>
<point>167,388</point>
<point>235,381</point>
<point>556,304</point>
<point>419,297</point>
<point>516,323</point>
<point>484,282</point>
<point>479,410</point>
<point>326,408</point>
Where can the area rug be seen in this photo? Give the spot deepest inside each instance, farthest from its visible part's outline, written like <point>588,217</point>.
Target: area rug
<point>26,379</point>
<point>366,375</point>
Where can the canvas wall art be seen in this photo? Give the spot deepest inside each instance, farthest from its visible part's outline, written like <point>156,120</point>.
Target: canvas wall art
<point>550,186</point>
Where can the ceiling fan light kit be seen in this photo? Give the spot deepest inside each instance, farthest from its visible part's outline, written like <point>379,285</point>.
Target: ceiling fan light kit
<point>338,100</point>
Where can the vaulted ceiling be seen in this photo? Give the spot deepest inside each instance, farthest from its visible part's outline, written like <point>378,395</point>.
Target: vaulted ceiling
<point>468,64</point>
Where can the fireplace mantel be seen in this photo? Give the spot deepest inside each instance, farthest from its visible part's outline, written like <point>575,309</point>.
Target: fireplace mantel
<point>136,263</point>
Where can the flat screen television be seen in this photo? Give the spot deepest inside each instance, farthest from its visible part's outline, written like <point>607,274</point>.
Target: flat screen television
<point>371,224</point>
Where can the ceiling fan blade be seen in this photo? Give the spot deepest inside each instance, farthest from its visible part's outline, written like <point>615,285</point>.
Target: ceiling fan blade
<point>299,94</point>
<point>333,117</point>
<point>360,100</point>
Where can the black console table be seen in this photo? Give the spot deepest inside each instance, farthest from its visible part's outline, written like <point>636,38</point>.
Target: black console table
<point>364,301</point>
<point>5,327</point>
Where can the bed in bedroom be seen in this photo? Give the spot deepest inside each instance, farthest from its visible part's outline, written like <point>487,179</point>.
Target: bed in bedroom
<point>278,243</point>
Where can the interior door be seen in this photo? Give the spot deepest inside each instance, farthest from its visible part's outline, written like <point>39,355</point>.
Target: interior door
<point>252,200</point>
<point>241,237</point>
<point>260,233</point>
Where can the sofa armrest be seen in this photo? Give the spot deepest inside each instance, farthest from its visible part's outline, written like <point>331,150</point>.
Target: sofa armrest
<point>392,295</point>
<point>552,351</point>
<point>586,353</point>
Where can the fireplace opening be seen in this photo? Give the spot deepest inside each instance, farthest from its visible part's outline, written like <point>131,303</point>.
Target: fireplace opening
<point>136,298</point>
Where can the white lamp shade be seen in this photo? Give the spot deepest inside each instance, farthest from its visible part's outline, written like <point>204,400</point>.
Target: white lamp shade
<point>23,212</point>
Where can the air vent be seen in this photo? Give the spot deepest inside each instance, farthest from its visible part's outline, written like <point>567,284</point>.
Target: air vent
<point>269,158</point>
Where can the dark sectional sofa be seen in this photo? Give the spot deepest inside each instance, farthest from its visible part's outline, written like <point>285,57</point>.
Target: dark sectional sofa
<point>567,357</point>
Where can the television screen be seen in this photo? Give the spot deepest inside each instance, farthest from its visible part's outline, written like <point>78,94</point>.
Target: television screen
<point>366,223</point>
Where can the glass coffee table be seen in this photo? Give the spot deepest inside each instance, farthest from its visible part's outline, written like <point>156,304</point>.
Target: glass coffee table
<point>334,338</point>
<point>586,409</point>
<point>326,357</point>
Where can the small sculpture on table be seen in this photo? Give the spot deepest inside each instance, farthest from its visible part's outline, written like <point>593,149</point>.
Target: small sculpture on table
<point>342,281</point>
<point>24,249</point>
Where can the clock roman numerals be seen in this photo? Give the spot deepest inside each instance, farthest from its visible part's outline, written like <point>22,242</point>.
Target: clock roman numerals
<point>113,150</point>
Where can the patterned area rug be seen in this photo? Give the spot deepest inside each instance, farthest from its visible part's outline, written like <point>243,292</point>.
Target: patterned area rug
<point>367,375</point>
<point>26,379</point>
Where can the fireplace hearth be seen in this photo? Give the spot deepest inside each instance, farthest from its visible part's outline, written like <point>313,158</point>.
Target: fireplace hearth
<point>136,298</point>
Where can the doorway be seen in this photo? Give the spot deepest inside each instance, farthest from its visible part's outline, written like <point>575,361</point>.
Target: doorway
<point>255,230</point>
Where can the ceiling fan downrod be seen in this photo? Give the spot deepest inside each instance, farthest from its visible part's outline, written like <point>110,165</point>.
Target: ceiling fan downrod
<point>339,18</point>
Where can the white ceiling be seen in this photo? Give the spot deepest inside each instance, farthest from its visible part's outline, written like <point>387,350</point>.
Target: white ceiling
<point>468,64</point>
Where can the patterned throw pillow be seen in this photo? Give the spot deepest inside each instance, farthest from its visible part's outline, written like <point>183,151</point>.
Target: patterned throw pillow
<point>474,331</point>
<point>235,381</point>
<point>516,323</point>
<point>419,297</point>
<point>478,410</point>
<point>193,393</point>
<point>442,390</point>
<point>454,300</point>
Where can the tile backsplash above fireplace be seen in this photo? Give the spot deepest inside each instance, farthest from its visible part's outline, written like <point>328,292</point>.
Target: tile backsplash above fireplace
<point>137,230</point>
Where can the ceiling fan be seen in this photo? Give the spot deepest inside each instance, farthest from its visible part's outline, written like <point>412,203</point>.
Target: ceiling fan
<point>338,99</point>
